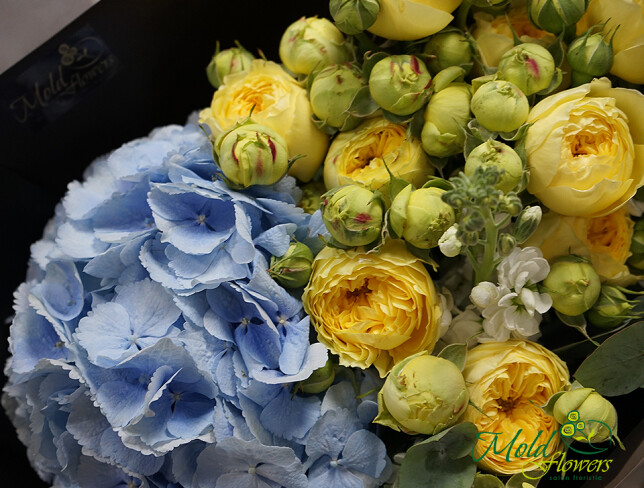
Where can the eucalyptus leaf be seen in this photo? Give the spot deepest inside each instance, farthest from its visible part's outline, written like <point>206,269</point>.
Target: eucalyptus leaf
<point>576,322</point>
<point>487,481</point>
<point>396,119</point>
<point>436,182</point>
<point>456,353</point>
<point>615,367</point>
<point>443,460</point>
<point>520,479</point>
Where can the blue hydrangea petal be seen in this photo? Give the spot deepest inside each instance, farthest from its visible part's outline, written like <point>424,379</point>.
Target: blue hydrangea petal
<point>316,357</point>
<point>340,396</point>
<point>295,344</point>
<point>82,199</point>
<point>218,327</point>
<point>149,306</point>
<point>33,338</point>
<point>276,240</point>
<point>282,212</point>
<point>124,215</point>
<point>323,474</point>
<point>315,234</point>
<point>76,239</point>
<point>364,452</point>
<point>240,247</point>
<point>259,345</point>
<point>290,417</point>
<point>61,291</point>
<point>193,414</point>
<point>330,433</point>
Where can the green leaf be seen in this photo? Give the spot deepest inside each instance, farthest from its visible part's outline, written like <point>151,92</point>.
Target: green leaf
<point>576,322</point>
<point>615,367</point>
<point>443,460</point>
<point>519,480</point>
<point>397,119</point>
<point>362,104</point>
<point>455,353</point>
<point>487,481</point>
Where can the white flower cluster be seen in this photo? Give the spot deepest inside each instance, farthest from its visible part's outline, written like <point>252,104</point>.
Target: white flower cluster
<point>513,307</point>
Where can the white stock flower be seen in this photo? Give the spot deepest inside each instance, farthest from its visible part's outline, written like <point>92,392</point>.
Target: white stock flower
<point>465,328</point>
<point>523,267</point>
<point>449,244</point>
<point>513,308</point>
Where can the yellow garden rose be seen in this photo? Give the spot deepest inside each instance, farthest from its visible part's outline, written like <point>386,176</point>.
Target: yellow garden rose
<point>604,240</point>
<point>585,149</point>
<point>628,43</point>
<point>278,102</point>
<point>494,36</point>
<point>359,156</point>
<point>408,20</point>
<point>508,381</point>
<point>373,308</point>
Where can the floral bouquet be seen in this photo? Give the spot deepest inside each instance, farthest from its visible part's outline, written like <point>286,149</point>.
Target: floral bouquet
<point>407,255</point>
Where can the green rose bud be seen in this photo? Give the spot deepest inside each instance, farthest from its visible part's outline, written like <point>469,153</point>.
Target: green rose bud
<point>312,196</point>
<point>573,284</point>
<point>593,418</point>
<point>555,15</point>
<point>637,246</point>
<point>320,379</point>
<point>502,157</point>
<point>423,394</point>
<point>228,62</point>
<point>526,223</point>
<point>353,215</point>
<point>510,204</point>
<point>421,216</point>
<point>293,269</point>
<point>354,16</point>
<point>311,44</point>
<point>611,308</point>
<point>529,66</point>
<point>332,92</point>
<point>589,56</point>
<point>252,154</point>
<point>500,106</point>
<point>447,49</point>
<point>446,117</point>
<point>399,84</point>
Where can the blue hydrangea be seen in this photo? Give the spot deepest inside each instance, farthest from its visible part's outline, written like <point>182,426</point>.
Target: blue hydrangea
<point>151,348</point>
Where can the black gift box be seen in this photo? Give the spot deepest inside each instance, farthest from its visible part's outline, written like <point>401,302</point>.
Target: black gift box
<point>112,75</point>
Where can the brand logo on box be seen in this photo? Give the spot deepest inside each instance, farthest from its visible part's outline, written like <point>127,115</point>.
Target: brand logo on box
<point>60,79</point>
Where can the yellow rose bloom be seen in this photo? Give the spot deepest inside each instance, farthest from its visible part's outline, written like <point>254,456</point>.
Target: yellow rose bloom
<point>628,43</point>
<point>494,37</point>
<point>360,155</point>
<point>604,240</point>
<point>372,308</point>
<point>408,20</point>
<point>278,102</point>
<point>508,381</point>
<point>585,149</point>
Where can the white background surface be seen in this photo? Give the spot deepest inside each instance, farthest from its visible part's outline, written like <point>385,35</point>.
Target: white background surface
<point>26,24</point>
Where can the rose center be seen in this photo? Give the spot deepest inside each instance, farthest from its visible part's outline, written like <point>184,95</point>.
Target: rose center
<point>379,146</point>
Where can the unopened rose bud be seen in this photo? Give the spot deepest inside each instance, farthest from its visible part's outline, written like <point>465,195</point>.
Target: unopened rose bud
<point>573,284</point>
<point>594,419</point>
<point>450,48</point>
<point>507,243</point>
<point>293,269</point>
<point>354,16</point>
<point>228,62</point>
<point>320,379</point>
<point>421,216</point>
<point>500,156</point>
<point>312,44</point>
<point>529,66</point>
<point>422,394</point>
<point>332,92</point>
<point>399,84</point>
<point>500,106</point>
<point>446,117</point>
<point>353,215</point>
<point>555,15</point>
<point>252,154</point>
<point>589,56</point>
<point>611,308</point>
